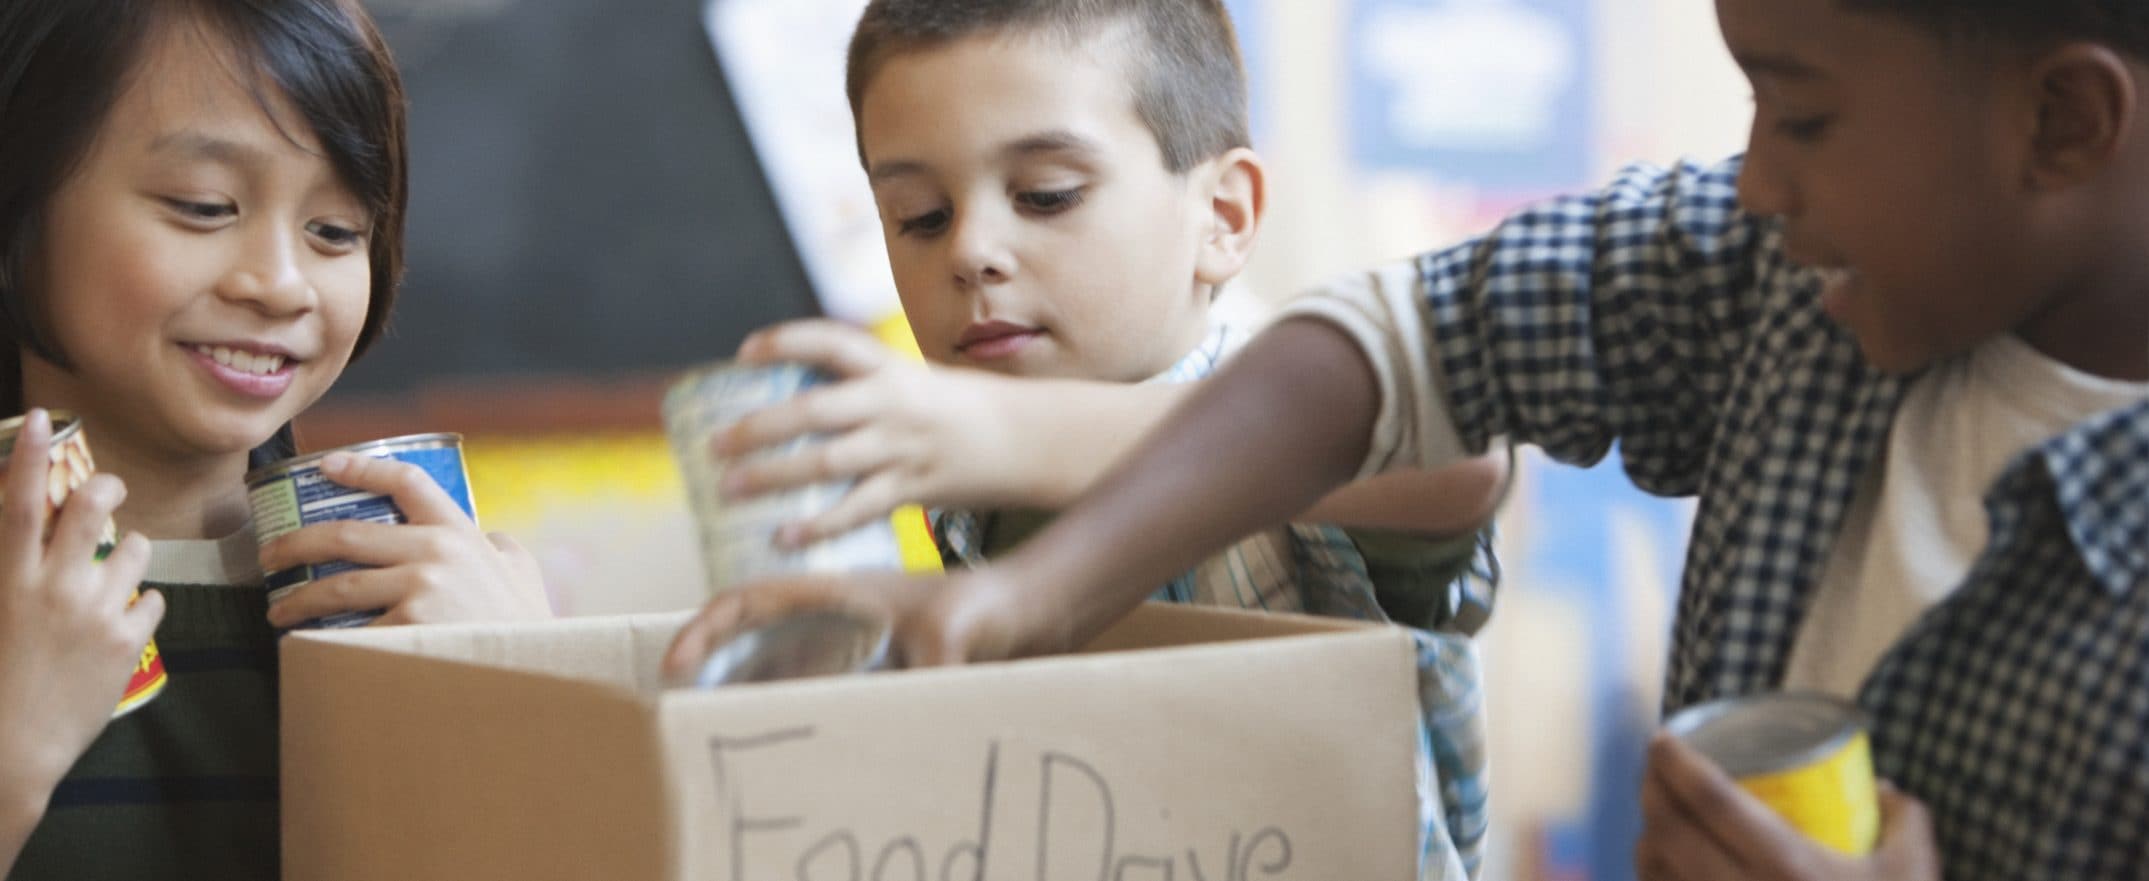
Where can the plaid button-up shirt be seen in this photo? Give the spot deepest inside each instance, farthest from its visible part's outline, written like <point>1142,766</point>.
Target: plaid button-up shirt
<point>1656,314</point>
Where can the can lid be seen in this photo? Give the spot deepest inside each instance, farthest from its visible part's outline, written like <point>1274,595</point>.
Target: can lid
<point>815,643</point>
<point>408,441</point>
<point>1766,733</point>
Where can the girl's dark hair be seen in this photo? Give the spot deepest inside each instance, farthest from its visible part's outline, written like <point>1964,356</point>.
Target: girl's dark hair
<point>63,64</point>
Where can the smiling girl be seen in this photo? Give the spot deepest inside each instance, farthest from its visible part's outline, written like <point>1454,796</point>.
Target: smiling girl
<point>201,211</point>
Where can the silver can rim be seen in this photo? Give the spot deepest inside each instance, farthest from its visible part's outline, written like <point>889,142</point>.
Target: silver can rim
<point>65,425</point>
<point>1841,720</point>
<point>428,441</point>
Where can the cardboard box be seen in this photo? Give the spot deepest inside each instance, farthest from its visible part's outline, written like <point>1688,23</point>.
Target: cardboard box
<point>1188,744</point>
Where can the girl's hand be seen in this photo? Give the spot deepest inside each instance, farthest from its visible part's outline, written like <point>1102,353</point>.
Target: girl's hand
<point>436,568</point>
<point>69,635</point>
<point>906,432</point>
<point>1697,824</point>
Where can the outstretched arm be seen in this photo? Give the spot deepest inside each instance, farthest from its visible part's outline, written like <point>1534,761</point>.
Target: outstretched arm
<point>1283,424</point>
<point>907,432</point>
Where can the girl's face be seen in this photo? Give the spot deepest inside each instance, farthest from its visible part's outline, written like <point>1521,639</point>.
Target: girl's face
<point>204,270</point>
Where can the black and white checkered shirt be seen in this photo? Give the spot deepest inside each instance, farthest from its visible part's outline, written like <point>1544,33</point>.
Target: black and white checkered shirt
<point>1656,314</point>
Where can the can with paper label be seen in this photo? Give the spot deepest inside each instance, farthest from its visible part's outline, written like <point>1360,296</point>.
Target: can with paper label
<point>294,493</point>
<point>71,466</point>
<point>1805,755</point>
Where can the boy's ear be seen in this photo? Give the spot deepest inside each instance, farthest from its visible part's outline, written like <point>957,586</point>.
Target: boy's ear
<point>2084,98</point>
<point>1238,187</point>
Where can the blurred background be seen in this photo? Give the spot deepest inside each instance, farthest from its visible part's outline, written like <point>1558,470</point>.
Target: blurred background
<point>606,192</point>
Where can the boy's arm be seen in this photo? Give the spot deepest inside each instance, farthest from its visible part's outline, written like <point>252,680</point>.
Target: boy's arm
<point>1450,500</point>
<point>1613,316</point>
<point>1616,315</point>
<point>1077,430</point>
<point>952,437</point>
<point>1281,425</point>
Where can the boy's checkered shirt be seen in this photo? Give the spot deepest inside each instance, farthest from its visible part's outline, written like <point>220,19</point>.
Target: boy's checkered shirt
<point>1656,314</point>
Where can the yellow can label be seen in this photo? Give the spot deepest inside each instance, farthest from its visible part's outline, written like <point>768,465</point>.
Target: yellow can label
<point>1833,801</point>
<point>71,466</point>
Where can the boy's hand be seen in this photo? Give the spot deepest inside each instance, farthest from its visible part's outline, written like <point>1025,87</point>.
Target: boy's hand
<point>938,619</point>
<point>1698,825</point>
<point>69,637</point>
<point>436,568</point>
<point>907,433</point>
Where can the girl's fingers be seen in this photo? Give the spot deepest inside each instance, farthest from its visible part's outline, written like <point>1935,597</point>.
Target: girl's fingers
<point>420,498</point>
<point>123,570</point>
<point>141,618</point>
<point>358,541</point>
<point>22,507</point>
<point>358,590</point>
<point>83,525</point>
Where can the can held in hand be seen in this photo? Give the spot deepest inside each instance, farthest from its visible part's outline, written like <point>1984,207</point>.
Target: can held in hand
<point>738,537</point>
<point>293,493</point>
<point>1805,755</point>
<point>71,466</point>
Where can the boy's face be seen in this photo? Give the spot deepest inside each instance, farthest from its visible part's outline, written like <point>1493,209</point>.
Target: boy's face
<point>1031,223</point>
<point>1895,169</point>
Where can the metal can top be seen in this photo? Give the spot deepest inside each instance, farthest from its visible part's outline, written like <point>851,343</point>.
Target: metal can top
<point>1767,733</point>
<point>64,426</point>
<point>816,643</point>
<point>434,440</point>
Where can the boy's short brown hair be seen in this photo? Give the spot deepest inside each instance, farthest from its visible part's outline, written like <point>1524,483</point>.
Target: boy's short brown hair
<point>1189,83</point>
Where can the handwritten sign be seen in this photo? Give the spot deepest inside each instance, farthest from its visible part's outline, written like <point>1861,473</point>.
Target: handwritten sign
<point>1076,815</point>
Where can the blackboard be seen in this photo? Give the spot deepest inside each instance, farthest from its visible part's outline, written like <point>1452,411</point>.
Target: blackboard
<point>584,198</point>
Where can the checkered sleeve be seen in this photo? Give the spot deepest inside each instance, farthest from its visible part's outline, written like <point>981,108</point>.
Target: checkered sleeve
<point>1608,316</point>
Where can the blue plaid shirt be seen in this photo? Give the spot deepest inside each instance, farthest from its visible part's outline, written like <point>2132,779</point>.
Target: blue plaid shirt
<point>1656,314</point>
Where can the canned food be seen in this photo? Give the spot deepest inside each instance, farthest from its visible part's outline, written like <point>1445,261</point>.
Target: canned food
<point>815,643</point>
<point>71,465</point>
<point>1805,755</point>
<point>293,493</point>
<point>738,537</point>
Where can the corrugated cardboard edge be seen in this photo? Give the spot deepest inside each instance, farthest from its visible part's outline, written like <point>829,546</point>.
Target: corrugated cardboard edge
<point>418,718</point>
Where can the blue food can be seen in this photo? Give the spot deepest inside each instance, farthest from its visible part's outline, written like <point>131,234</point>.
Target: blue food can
<point>293,493</point>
